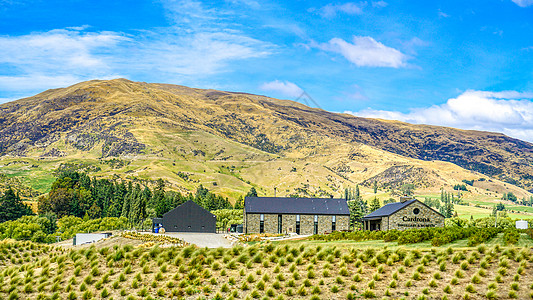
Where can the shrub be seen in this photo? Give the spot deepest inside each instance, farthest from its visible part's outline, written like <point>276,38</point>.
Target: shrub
<point>417,276</point>
<point>250,278</point>
<point>442,267</point>
<point>372,284</point>
<point>447,289</point>
<point>511,236</point>
<point>393,284</point>
<point>491,295</point>
<point>368,294</point>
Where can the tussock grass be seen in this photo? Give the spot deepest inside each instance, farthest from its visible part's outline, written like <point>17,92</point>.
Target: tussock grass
<point>266,271</point>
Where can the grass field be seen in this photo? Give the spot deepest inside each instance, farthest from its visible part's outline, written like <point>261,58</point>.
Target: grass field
<point>285,270</point>
<point>524,241</point>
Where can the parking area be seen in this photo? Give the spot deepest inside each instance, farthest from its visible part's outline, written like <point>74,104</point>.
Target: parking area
<point>209,240</point>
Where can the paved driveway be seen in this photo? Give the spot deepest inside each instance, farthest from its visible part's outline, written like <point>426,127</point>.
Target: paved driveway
<point>209,240</point>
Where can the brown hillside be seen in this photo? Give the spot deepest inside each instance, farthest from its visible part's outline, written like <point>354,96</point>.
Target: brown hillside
<point>162,123</point>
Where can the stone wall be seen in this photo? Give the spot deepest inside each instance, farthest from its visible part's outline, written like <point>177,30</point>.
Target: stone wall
<point>251,223</point>
<point>343,223</point>
<point>307,223</point>
<point>400,219</point>
<point>271,223</point>
<point>289,223</point>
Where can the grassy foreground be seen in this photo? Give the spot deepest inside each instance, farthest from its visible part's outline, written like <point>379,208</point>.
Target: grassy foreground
<point>282,271</point>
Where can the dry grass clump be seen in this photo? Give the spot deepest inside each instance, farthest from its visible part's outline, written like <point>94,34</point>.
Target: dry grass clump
<point>262,271</point>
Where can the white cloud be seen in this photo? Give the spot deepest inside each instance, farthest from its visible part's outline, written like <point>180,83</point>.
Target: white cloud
<point>331,10</point>
<point>523,3</point>
<point>197,55</point>
<point>379,4</point>
<point>251,3</point>
<point>200,44</point>
<point>58,50</point>
<point>366,52</point>
<point>36,81</point>
<point>55,58</point>
<point>285,88</point>
<point>509,112</point>
<point>443,14</point>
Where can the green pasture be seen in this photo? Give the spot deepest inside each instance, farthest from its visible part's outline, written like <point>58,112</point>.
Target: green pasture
<point>524,241</point>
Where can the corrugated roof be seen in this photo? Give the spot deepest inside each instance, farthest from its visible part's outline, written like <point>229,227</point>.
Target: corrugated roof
<point>304,206</point>
<point>388,209</point>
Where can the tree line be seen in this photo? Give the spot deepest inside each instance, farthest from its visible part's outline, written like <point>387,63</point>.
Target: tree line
<point>76,194</point>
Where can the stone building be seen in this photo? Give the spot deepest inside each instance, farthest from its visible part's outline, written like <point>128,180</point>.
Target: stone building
<point>298,215</point>
<point>406,214</point>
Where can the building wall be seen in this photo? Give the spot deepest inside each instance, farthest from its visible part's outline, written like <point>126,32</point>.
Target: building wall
<point>343,223</point>
<point>289,223</point>
<point>385,223</point>
<point>307,224</point>
<point>189,217</point>
<point>271,223</point>
<point>396,221</point>
<point>251,223</point>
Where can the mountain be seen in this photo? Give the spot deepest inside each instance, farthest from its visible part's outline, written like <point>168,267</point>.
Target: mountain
<point>230,141</point>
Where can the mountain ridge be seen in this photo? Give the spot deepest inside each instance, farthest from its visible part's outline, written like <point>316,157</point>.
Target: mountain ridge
<point>122,119</point>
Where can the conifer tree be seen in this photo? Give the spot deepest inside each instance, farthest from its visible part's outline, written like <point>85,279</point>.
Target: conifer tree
<point>252,192</point>
<point>12,207</point>
<point>374,204</point>
<point>239,204</point>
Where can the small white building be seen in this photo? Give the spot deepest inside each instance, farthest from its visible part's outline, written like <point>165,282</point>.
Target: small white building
<point>87,238</point>
<point>521,224</point>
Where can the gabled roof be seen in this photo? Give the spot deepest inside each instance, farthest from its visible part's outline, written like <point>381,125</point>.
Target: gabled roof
<point>304,206</point>
<point>391,208</point>
<point>388,209</point>
<point>188,205</point>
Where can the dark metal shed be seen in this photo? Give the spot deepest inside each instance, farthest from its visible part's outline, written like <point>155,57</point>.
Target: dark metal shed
<point>189,217</point>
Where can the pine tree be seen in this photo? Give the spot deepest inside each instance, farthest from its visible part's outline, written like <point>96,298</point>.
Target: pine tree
<point>375,187</point>
<point>357,195</point>
<point>12,207</point>
<point>448,208</point>
<point>374,204</point>
<point>252,192</point>
<point>239,204</point>
<point>356,213</point>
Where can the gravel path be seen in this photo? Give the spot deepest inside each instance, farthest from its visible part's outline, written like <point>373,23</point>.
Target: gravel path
<point>209,240</point>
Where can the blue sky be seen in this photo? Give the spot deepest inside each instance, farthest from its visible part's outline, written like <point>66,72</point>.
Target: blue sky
<point>465,64</point>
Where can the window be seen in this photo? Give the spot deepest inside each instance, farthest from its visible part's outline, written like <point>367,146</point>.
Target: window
<point>297,224</point>
<point>315,227</point>
<point>261,223</point>
<point>416,211</point>
<point>333,223</point>
<point>280,224</point>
